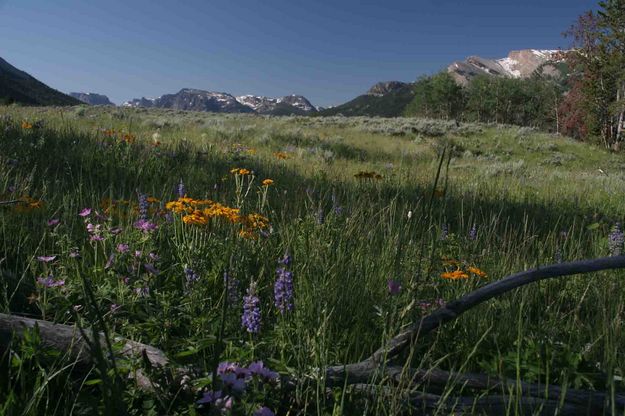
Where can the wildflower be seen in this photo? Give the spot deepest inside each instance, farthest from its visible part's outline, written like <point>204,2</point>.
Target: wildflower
<point>74,254</point>
<point>116,230</point>
<point>26,125</point>
<point>281,155</point>
<point>240,171</point>
<point>190,276</point>
<point>557,257</point>
<point>455,275</point>
<point>143,206</point>
<point>115,307</point>
<point>123,248</point>
<point>258,368</point>
<point>53,222</point>
<point>394,287</point>
<point>46,259</point>
<point>154,256</point>
<point>320,217</point>
<point>477,272</point>
<point>285,260</point>
<point>145,225</point>
<point>142,291</point>
<point>77,308</point>
<point>232,288</point>
<point>473,232</point>
<point>267,182</point>
<point>616,240</point>
<point>151,269</point>
<point>138,253</point>
<point>209,397</point>
<point>85,212</point>
<point>232,381</point>
<point>283,290</point>
<point>96,238</point>
<point>50,282</point>
<point>444,232</point>
<point>251,317</point>
<point>182,190</point>
<point>264,411</point>
<point>110,261</point>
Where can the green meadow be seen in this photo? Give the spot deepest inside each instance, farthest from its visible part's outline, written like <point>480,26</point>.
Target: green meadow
<point>383,221</point>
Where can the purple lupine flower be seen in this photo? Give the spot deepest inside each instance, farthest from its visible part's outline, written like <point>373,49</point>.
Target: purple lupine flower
<point>151,269</point>
<point>49,281</point>
<point>251,318</point>
<point>190,276</point>
<point>182,190</point>
<point>473,232</point>
<point>96,238</point>
<point>616,239</point>
<point>145,225</point>
<point>143,205</point>
<point>444,231</point>
<point>46,259</point>
<point>74,253</point>
<point>115,307</point>
<point>123,248</point>
<point>394,287</point>
<point>286,259</point>
<point>264,411</point>
<point>53,222</point>
<point>283,290</point>
<point>138,253</point>
<point>153,256</point>
<point>85,212</point>
<point>232,289</point>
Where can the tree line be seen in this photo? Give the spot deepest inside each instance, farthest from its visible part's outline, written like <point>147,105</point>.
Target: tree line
<point>587,103</point>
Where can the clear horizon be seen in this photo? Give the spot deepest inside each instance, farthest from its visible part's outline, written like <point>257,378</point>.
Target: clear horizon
<point>329,53</point>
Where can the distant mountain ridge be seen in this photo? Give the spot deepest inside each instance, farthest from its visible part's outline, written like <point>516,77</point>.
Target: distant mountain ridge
<point>17,86</point>
<point>220,102</point>
<point>91,98</point>
<point>384,99</point>
<point>518,64</point>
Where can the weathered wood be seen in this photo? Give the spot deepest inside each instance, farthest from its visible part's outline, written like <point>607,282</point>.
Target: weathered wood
<point>70,339</point>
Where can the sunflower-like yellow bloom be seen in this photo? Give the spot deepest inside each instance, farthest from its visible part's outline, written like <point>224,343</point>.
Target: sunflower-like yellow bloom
<point>477,272</point>
<point>267,182</point>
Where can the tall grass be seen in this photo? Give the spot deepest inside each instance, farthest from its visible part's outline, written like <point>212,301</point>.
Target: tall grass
<point>347,237</point>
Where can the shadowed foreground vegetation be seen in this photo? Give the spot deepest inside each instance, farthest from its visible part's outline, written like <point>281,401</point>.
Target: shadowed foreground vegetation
<point>374,242</point>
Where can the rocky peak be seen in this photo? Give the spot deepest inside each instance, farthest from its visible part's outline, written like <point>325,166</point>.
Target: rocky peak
<point>383,88</point>
<point>91,98</point>
<point>518,64</point>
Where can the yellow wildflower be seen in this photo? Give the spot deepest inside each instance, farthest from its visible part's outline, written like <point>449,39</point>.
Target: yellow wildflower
<point>455,275</point>
<point>281,155</point>
<point>26,125</point>
<point>477,272</point>
<point>267,182</point>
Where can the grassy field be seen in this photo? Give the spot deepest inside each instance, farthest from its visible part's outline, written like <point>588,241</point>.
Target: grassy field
<point>374,214</point>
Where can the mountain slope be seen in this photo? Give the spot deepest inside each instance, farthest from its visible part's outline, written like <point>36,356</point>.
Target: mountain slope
<point>518,64</point>
<point>91,98</point>
<point>19,87</point>
<point>385,99</point>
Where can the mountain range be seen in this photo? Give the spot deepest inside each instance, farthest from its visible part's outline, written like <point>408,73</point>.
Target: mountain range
<point>220,102</point>
<point>384,99</point>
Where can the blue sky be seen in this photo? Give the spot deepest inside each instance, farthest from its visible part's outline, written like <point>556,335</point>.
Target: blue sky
<point>328,51</point>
